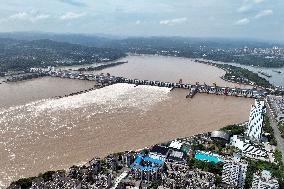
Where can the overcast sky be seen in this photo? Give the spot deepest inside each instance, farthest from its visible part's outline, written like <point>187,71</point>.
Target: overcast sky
<point>262,19</point>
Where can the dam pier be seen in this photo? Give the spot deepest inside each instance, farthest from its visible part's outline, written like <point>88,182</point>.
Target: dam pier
<point>107,79</point>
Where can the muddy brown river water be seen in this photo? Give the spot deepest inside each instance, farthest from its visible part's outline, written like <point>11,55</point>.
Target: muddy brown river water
<point>19,93</point>
<point>39,134</point>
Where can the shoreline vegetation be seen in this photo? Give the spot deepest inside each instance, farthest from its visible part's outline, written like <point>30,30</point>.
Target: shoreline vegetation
<point>241,75</point>
<point>196,144</point>
<point>281,129</point>
<point>27,76</point>
<point>248,60</point>
<point>101,67</point>
<point>233,74</point>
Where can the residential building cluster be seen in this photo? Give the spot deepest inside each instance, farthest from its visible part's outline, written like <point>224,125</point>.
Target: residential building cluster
<point>269,52</point>
<point>263,180</point>
<point>234,173</point>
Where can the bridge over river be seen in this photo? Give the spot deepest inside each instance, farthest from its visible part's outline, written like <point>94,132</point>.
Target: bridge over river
<point>193,88</point>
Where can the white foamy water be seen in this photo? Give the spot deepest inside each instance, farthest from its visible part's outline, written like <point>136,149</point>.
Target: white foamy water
<point>111,98</point>
<point>29,124</point>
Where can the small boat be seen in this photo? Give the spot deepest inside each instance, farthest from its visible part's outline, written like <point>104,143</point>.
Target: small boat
<point>265,74</point>
<point>277,71</point>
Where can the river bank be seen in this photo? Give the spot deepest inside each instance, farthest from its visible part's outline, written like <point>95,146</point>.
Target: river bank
<point>276,78</point>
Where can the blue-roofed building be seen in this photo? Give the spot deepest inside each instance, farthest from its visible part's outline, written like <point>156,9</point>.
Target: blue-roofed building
<point>146,167</point>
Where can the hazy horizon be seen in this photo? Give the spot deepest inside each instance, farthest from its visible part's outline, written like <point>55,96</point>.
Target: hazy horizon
<point>244,19</point>
<point>114,36</point>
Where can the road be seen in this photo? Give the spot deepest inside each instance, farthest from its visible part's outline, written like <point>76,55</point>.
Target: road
<point>279,139</point>
<point>119,179</point>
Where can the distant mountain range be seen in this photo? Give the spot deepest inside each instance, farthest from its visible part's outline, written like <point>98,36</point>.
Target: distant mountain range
<point>101,40</point>
<point>22,50</point>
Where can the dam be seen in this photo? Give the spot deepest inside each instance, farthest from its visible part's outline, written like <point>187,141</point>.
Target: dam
<point>104,80</point>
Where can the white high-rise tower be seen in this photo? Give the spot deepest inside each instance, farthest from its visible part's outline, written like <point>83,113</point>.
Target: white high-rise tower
<point>256,120</point>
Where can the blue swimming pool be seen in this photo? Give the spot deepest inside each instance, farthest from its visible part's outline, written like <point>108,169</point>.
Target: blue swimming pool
<point>205,157</point>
